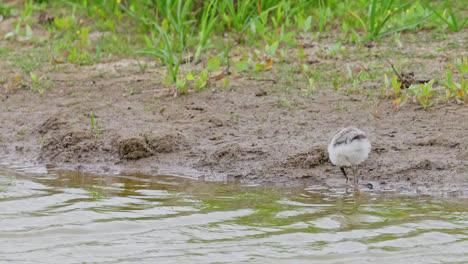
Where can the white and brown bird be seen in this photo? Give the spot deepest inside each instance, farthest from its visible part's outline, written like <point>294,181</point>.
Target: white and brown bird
<point>349,147</point>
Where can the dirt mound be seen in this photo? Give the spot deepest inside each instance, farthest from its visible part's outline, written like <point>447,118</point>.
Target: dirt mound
<point>310,159</point>
<point>68,147</point>
<point>168,143</point>
<point>133,149</point>
<point>439,141</point>
<point>137,148</point>
<point>427,165</point>
<point>227,156</point>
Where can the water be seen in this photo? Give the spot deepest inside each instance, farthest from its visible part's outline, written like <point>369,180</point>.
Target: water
<point>70,217</point>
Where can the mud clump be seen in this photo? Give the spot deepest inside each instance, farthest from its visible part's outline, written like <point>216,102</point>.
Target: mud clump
<point>428,165</point>
<point>168,143</point>
<point>133,149</point>
<point>440,141</point>
<point>68,147</point>
<point>307,160</point>
<point>138,148</point>
<point>227,156</point>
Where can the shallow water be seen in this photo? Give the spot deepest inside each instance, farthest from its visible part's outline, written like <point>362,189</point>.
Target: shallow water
<point>70,217</point>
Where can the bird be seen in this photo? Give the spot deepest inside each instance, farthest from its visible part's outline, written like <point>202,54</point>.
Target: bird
<point>349,147</point>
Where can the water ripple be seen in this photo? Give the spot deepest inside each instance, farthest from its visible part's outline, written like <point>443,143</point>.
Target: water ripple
<point>66,217</point>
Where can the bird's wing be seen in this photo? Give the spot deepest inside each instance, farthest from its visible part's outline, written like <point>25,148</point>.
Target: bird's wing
<point>348,135</point>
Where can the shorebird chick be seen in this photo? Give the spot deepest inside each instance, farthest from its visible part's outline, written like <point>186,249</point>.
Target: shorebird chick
<point>349,147</point>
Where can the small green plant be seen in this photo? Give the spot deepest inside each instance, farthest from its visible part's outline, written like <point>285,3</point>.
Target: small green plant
<point>25,20</point>
<point>270,50</point>
<point>284,102</point>
<point>457,89</point>
<point>99,50</point>
<point>399,102</point>
<point>34,77</point>
<point>42,142</point>
<point>78,56</point>
<point>356,88</point>
<point>462,66</point>
<point>142,66</point>
<point>423,93</point>
<point>181,86</point>
<point>214,63</point>
<point>396,86</point>
<point>302,56</point>
<point>21,134</point>
<point>304,24</point>
<point>334,49</point>
<point>226,82</point>
<point>5,10</point>
<point>309,91</point>
<point>200,83</point>
<point>36,84</point>
<point>371,71</point>
<point>95,128</point>
<point>130,90</point>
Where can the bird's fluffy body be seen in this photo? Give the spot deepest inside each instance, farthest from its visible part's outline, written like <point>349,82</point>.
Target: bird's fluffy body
<point>349,146</point>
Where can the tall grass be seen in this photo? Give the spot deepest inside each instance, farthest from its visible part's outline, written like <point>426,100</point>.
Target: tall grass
<point>379,15</point>
<point>207,22</point>
<point>172,29</point>
<point>174,34</point>
<point>452,20</point>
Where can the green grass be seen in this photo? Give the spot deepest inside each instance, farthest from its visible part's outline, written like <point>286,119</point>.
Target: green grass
<point>29,61</point>
<point>245,37</point>
<point>192,27</point>
<point>451,20</point>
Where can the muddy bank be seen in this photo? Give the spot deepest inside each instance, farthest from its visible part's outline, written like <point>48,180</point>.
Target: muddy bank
<point>261,130</point>
<point>234,135</point>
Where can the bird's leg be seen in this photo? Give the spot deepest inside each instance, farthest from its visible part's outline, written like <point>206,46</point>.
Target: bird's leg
<point>344,172</point>
<point>356,179</point>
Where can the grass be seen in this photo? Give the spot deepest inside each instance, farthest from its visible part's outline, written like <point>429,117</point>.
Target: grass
<point>451,21</point>
<point>231,38</point>
<point>380,14</point>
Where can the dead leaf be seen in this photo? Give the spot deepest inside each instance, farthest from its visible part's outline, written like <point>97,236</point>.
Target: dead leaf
<point>269,65</point>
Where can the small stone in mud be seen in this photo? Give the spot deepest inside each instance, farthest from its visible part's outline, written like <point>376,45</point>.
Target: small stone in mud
<point>260,92</point>
<point>133,149</point>
<point>50,166</point>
